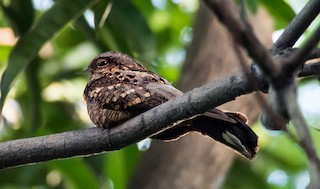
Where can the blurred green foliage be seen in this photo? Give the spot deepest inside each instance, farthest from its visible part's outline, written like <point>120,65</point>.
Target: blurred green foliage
<point>45,88</point>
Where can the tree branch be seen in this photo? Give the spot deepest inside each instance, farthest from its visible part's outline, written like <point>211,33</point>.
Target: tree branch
<point>298,25</point>
<point>288,96</point>
<point>96,140</point>
<point>310,70</point>
<point>297,60</point>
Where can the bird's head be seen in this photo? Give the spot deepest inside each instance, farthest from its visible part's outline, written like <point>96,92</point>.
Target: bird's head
<point>111,61</point>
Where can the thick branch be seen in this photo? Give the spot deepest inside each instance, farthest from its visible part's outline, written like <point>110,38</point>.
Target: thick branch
<point>96,140</point>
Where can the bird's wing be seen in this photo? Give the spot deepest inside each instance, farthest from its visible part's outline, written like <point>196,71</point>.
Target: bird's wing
<point>131,90</point>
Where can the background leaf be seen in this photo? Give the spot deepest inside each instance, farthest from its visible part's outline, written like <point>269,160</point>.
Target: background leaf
<point>28,45</point>
<point>20,14</point>
<point>281,12</point>
<point>77,173</point>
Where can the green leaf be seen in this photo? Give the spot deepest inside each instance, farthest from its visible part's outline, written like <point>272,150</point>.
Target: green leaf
<point>279,148</point>
<point>28,46</point>
<point>120,164</point>
<point>252,5</point>
<point>20,15</point>
<point>126,27</point>
<point>281,12</point>
<point>240,174</point>
<point>4,54</point>
<point>76,173</point>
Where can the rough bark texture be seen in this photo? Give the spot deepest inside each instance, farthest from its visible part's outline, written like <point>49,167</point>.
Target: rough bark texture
<point>195,161</point>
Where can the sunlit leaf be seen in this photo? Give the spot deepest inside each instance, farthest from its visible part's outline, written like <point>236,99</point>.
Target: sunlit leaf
<point>4,54</point>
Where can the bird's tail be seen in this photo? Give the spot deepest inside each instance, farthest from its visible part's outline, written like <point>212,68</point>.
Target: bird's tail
<point>229,128</point>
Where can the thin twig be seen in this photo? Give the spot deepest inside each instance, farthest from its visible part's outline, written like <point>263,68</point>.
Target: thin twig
<point>310,70</point>
<point>288,96</point>
<point>298,25</point>
<point>297,60</point>
<point>289,52</point>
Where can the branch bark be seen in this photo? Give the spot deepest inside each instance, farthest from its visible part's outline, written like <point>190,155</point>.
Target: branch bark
<point>96,140</point>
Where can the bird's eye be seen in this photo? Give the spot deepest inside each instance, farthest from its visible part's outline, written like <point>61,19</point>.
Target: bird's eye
<point>101,63</point>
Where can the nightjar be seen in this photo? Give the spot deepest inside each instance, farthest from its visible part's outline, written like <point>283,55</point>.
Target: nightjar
<point>121,88</point>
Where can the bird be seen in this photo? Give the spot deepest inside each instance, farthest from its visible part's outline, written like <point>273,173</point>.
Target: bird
<point>120,88</point>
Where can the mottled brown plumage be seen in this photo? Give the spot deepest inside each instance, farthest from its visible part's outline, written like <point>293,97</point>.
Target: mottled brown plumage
<point>121,88</point>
